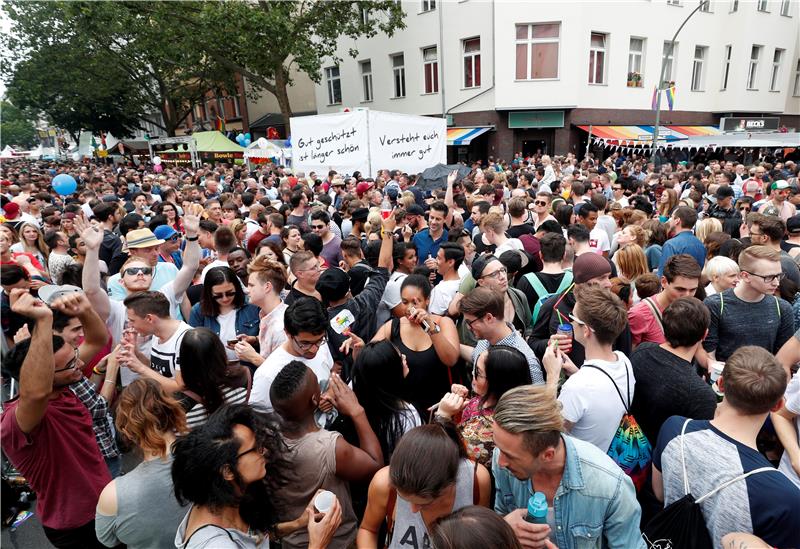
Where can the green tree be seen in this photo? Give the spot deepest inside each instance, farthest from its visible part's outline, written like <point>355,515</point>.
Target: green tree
<point>142,46</point>
<point>265,40</point>
<point>16,127</point>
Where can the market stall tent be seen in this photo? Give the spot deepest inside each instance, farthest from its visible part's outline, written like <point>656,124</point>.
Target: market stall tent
<point>268,150</point>
<point>212,146</point>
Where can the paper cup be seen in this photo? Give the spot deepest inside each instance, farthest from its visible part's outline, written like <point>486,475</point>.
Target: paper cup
<point>323,502</point>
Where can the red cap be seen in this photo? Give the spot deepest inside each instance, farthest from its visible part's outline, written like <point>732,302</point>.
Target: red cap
<point>5,183</point>
<point>363,187</point>
<point>12,210</point>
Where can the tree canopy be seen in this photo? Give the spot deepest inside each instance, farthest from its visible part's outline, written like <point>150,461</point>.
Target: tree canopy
<point>16,127</point>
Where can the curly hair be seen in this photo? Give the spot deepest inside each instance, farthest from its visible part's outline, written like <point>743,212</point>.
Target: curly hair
<point>145,412</point>
<point>201,457</point>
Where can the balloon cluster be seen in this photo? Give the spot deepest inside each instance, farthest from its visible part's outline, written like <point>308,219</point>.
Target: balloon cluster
<point>244,139</point>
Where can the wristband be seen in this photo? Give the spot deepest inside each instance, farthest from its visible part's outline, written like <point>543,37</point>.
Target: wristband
<point>98,372</point>
<point>192,238</point>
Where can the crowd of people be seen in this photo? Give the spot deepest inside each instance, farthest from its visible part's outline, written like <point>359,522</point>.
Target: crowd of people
<point>546,352</point>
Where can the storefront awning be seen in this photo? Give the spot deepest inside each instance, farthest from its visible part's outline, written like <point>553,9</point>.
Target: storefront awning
<point>638,135</point>
<point>463,136</point>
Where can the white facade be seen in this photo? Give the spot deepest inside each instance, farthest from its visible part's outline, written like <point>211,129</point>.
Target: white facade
<point>600,30</point>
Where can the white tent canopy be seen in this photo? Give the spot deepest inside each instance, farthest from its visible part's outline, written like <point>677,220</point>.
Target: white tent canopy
<point>269,148</point>
<point>752,139</point>
<point>7,152</point>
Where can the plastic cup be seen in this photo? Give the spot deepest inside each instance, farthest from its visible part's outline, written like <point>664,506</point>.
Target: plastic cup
<point>323,502</point>
<point>386,213</point>
<point>715,370</point>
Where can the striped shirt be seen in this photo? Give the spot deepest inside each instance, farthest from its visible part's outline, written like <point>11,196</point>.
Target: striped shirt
<point>198,414</point>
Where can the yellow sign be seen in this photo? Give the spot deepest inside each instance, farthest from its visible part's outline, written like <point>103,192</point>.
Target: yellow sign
<point>102,153</point>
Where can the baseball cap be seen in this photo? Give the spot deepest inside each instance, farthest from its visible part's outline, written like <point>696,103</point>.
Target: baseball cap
<point>360,214</point>
<point>164,232</point>
<point>779,185</point>
<point>479,264</point>
<point>793,224</point>
<point>333,284</point>
<point>363,187</point>
<point>11,210</point>
<point>51,292</point>
<point>415,209</point>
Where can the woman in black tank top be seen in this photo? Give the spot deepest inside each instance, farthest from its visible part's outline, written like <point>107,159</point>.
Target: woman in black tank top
<point>429,343</point>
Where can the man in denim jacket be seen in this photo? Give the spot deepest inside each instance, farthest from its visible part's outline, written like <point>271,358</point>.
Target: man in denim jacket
<point>591,502</point>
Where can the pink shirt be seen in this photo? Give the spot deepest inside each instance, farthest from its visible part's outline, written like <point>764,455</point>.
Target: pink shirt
<point>644,326</point>
<point>270,331</point>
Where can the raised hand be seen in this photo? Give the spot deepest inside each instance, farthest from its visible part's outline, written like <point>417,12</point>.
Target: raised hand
<point>92,235</point>
<point>390,223</point>
<point>451,405</point>
<point>452,176</point>
<point>191,219</point>
<point>343,397</point>
<point>74,304</point>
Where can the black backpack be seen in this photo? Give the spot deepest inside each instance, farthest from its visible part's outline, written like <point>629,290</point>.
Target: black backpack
<point>681,523</point>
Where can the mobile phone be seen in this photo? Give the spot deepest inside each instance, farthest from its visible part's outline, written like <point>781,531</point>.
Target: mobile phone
<point>233,342</point>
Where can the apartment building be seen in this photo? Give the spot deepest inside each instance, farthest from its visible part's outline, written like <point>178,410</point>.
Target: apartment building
<point>521,76</point>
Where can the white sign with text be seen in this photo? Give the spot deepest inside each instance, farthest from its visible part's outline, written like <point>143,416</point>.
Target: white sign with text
<point>331,142</point>
<point>406,142</point>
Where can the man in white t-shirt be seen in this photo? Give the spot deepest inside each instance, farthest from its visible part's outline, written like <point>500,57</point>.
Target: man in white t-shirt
<point>598,238</point>
<point>595,398</point>
<point>148,315</point>
<point>305,324</point>
<point>448,260</point>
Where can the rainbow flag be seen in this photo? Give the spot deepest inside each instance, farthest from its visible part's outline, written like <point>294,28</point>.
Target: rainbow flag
<point>220,124</point>
<point>671,97</point>
<point>654,103</point>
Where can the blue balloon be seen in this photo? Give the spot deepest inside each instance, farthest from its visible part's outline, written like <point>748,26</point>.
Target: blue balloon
<point>64,184</point>
<point>247,142</point>
<point>247,136</point>
<point>288,142</point>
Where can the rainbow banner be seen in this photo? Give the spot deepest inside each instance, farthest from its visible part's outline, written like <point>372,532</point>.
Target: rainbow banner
<point>671,97</point>
<point>220,124</point>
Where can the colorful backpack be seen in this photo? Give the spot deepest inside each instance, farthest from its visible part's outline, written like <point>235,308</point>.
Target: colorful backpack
<point>629,448</point>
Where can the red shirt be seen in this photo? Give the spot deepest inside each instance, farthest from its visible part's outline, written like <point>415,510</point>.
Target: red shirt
<point>60,459</point>
<point>644,326</point>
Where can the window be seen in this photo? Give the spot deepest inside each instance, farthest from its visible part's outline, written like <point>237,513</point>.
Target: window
<point>752,72</point>
<point>428,5</point>
<point>697,67</point>
<point>472,62</point>
<point>365,16</point>
<point>399,73</point>
<point>762,5</point>
<point>636,63</point>
<point>777,58</point>
<point>674,2</point>
<point>200,111</point>
<point>237,113</point>
<point>366,80</point>
<point>668,59</point>
<point>597,58</point>
<point>334,85</point>
<point>727,70</point>
<point>734,6</point>
<point>796,87</point>
<point>705,6</point>
<point>430,68</point>
<point>537,51</point>
<point>785,8</point>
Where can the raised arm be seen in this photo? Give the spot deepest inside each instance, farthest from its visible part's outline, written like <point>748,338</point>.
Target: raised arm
<point>92,236</point>
<point>94,329</point>
<point>36,374</point>
<point>387,242</point>
<point>448,197</point>
<point>192,252</point>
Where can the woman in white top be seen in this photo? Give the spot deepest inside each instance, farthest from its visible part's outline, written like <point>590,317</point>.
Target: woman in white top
<point>292,241</point>
<point>378,375</point>
<point>721,273</point>
<point>31,241</point>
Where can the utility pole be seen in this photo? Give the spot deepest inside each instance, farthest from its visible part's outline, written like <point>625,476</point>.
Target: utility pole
<point>663,76</point>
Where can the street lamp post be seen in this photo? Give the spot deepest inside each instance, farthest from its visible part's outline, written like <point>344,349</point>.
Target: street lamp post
<point>663,76</point>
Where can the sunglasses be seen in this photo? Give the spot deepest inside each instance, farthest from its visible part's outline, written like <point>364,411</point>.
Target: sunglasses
<point>133,271</point>
<point>539,203</point>
<point>174,238</point>
<point>231,293</point>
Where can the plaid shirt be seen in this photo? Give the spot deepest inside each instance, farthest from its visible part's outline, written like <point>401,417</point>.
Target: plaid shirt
<point>515,340</point>
<point>101,421</point>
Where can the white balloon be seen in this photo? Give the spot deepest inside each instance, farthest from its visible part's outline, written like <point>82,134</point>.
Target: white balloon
<point>76,156</point>
<point>156,160</point>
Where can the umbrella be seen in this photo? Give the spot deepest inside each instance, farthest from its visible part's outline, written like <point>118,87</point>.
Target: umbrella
<point>436,176</point>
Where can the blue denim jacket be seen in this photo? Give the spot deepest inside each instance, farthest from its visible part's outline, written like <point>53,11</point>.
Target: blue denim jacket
<point>595,504</point>
<point>247,320</point>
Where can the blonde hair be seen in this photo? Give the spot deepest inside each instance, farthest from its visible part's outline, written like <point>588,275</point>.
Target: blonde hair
<point>373,221</point>
<point>750,255</point>
<point>494,222</point>
<point>145,413</point>
<point>719,266</point>
<point>533,412</point>
<point>639,234</point>
<point>707,226</point>
<point>667,208</point>
<point>631,261</point>
<point>407,199</point>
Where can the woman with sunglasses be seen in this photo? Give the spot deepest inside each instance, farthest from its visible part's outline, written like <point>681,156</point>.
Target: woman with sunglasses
<point>429,343</point>
<point>496,371</point>
<point>229,470</point>
<point>149,419</point>
<point>379,373</point>
<point>223,310</point>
